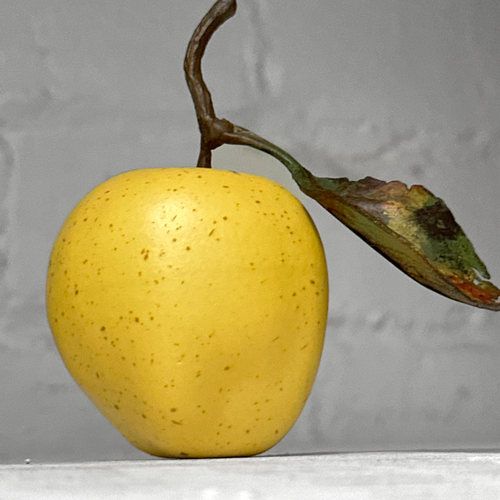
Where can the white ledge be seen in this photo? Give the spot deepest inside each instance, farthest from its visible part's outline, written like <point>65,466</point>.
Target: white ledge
<point>330,476</point>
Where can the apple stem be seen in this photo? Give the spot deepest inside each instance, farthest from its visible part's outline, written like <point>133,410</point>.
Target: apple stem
<point>211,127</point>
<point>215,131</point>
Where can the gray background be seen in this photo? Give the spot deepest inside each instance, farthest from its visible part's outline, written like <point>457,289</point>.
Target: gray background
<point>395,89</point>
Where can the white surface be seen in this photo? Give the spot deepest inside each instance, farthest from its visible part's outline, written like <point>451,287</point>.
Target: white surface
<point>371,476</point>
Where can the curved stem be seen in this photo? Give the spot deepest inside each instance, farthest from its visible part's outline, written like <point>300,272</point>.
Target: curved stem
<point>214,131</point>
<point>210,126</point>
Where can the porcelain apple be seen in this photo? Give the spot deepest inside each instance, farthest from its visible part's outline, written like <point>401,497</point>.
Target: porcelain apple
<point>190,306</point>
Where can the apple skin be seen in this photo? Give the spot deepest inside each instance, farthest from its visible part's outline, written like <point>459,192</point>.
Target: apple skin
<point>190,305</point>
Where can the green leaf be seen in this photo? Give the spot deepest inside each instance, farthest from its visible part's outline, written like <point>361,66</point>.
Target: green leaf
<point>412,228</point>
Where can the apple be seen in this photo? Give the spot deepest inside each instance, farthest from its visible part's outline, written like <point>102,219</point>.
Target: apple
<point>190,305</point>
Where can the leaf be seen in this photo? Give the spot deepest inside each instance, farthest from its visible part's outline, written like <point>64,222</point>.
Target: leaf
<point>413,229</point>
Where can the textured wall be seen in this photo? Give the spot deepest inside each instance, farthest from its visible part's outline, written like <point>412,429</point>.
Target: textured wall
<point>406,90</point>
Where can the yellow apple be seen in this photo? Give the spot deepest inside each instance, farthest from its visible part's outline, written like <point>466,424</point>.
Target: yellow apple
<point>190,306</point>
